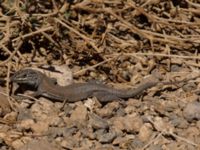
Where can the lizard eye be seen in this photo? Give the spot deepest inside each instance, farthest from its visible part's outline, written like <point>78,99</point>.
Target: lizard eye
<point>24,75</point>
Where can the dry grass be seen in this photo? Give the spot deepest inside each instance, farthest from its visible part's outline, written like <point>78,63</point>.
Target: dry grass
<point>56,32</point>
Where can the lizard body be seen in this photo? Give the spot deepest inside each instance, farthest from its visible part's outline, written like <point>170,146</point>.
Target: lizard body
<point>47,87</point>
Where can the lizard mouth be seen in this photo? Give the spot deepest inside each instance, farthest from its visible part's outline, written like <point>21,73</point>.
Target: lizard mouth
<point>14,79</point>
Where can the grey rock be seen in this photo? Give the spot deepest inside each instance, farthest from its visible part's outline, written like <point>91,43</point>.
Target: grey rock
<point>192,111</point>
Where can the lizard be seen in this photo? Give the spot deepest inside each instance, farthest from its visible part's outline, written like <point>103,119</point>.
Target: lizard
<point>47,87</point>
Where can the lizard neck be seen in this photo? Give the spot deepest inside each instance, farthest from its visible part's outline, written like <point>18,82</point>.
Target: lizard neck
<point>37,80</point>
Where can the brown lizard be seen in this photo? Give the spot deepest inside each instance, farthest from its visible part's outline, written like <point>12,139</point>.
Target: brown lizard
<point>47,87</point>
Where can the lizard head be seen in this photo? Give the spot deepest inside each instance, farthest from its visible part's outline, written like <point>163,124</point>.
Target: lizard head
<point>27,76</point>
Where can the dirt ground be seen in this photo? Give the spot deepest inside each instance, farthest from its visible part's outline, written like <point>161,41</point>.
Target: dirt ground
<point>119,43</point>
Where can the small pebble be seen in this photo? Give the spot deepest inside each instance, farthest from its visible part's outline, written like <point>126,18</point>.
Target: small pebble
<point>192,111</point>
